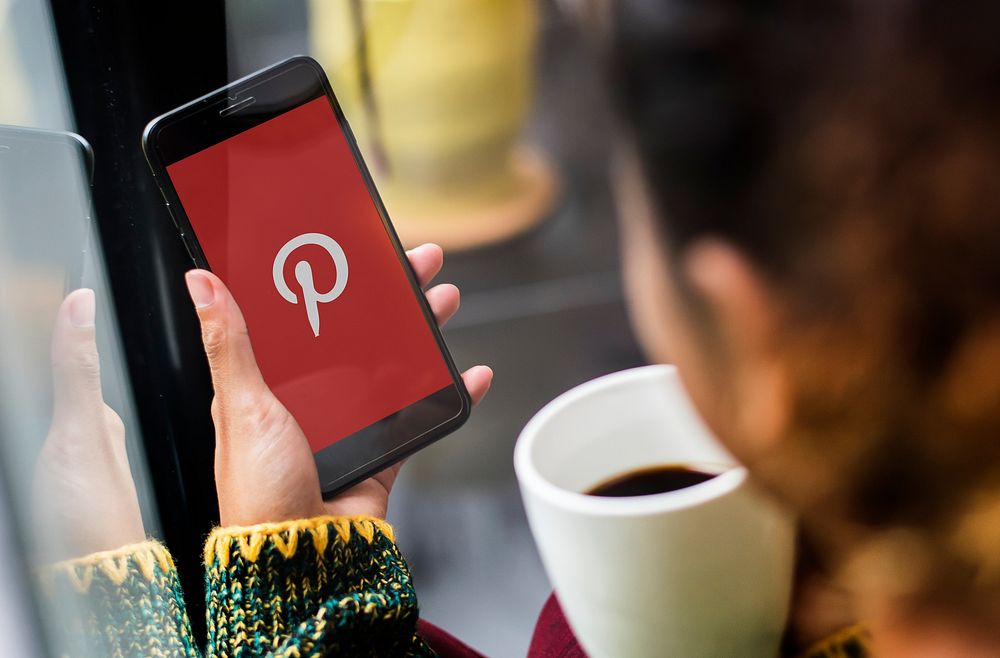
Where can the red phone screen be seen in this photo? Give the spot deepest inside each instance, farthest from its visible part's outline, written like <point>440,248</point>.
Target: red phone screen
<point>284,217</point>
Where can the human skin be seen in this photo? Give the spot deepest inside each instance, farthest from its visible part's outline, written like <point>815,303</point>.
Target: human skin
<point>83,475</point>
<point>711,311</point>
<point>258,440</point>
<point>84,498</point>
<point>723,352</point>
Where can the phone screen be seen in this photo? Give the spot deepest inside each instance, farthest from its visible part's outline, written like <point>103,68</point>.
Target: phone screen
<point>284,216</point>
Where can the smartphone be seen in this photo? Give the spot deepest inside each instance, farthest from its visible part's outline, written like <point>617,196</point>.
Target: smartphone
<point>45,222</point>
<point>50,246</point>
<point>268,189</point>
<point>45,204</point>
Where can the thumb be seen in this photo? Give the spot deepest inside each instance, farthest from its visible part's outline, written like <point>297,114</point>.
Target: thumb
<point>224,334</point>
<point>76,369</point>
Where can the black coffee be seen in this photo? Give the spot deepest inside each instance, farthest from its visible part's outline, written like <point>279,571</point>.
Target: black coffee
<point>652,480</point>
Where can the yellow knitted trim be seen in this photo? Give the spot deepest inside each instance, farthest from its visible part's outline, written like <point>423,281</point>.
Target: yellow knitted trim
<point>114,565</point>
<point>833,646</point>
<point>285,536</point>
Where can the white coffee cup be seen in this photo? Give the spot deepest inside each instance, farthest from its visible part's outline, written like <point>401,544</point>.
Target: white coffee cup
<point>704,571</point>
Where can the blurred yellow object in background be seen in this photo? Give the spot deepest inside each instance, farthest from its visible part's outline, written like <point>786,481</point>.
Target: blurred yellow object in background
<point>15,103</point>
<point>437,92</point>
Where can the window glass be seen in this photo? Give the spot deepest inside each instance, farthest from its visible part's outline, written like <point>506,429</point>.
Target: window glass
<point>72,456</point>
<point>31,78</point>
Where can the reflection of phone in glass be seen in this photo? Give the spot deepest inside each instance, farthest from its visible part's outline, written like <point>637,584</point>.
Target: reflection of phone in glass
<point>267,186</point>
<point>49,246</point>
<point>45,199</point>
<point>44,232</point>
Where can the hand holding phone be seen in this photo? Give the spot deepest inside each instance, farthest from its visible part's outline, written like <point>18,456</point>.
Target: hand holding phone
<point>268,189</point>
<point>84,499</point>
<point>264,467</point>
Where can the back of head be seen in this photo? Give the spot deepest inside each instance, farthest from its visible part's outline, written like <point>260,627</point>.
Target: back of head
<point>852,150</point>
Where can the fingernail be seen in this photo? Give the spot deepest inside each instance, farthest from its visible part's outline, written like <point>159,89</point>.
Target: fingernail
<point>482,369</point>
<point>200,288</point>
<point>81,308</point>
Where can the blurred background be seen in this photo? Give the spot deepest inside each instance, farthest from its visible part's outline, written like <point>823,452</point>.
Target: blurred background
<point>487,131</point>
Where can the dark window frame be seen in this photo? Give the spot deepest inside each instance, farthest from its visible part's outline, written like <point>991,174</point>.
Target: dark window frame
<point>125,63</point>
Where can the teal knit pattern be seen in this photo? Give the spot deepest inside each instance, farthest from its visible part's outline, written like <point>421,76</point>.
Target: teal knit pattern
<point>118,604</point>
<point>330,586</point>
<point>323,587</point>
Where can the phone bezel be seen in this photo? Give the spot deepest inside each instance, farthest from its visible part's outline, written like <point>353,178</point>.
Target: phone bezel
<point>197,130</point>
<point>17,136</point>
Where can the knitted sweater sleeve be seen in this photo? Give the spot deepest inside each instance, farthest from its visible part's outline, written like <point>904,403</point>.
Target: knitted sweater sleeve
<point>851,642</point>
<point>309,588</point>
<point>125,602</point>
<point>317,587</point>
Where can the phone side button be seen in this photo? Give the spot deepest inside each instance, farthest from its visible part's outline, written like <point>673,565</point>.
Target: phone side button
<point>170,211</point>
<point>187,246</point>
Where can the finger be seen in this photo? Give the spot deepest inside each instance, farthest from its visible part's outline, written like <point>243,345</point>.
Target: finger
<point>478,380</point>
<point>444,301</point>
<point>224,335</point>
<point>76,369</point>
<point>427,260</point>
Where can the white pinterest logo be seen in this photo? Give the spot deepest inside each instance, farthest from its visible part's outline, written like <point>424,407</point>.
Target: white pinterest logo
<point>304,275</point>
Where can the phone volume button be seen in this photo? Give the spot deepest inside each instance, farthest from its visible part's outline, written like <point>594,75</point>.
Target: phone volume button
<point>173,218</point>
<point>180,232</point>
<point>187,247</point>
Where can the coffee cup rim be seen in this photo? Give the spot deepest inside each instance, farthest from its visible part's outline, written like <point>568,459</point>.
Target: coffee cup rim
<point>530,478</point>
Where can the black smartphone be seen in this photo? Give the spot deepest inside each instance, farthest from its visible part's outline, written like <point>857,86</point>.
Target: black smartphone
<point>45,178</point>
<point>268,189</point>
<point>44,234</point>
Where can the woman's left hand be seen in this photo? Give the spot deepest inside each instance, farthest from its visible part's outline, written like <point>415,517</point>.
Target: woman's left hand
<point>264,467</point>
<point>84,498</point>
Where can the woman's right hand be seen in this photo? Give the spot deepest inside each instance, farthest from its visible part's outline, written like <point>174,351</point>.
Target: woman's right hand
<point>264,467</point>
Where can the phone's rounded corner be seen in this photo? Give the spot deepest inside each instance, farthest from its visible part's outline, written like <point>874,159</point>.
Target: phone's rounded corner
<point>305,60</point>
<point>149,134</point>
<point>82,143</point>
<point>339,484</point>
<point>86,151</point>
<point>466,410</point>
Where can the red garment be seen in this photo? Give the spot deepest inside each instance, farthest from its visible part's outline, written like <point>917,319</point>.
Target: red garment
<point>446,645</point>
<point>553,637</point>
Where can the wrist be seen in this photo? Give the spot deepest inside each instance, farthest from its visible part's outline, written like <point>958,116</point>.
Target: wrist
<point>316,536</point>
<point>344,570</point>
<point>236,515</point>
